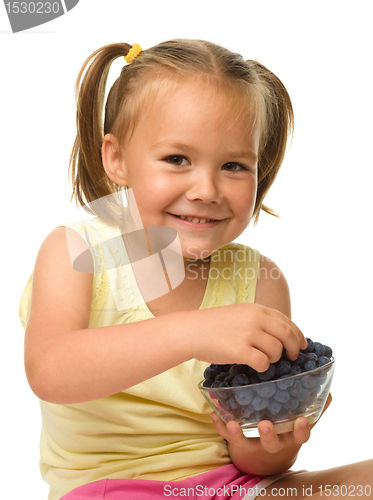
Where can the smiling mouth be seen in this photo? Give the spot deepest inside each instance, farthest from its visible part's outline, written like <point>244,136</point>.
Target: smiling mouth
<point>194,219</point>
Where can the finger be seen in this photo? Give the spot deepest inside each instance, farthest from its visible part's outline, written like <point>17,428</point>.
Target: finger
<point>236,436</point>
<point>269,346</point>
<point>268,437</point>
<point>302,430</point>
<point>232,433</point>
<point>282,317</point>
<point>258,355</point>
<point>219,425</point>
<point>283,329</point>
<point>239,440</point>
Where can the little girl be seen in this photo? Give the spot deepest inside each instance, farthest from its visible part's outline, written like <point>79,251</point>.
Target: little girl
<point>116,338</point>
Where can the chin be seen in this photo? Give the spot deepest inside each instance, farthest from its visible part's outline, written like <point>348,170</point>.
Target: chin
<point>195,253</point>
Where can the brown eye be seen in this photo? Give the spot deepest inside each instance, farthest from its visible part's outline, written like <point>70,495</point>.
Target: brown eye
<point>234,167</point>
<point>177,160</point>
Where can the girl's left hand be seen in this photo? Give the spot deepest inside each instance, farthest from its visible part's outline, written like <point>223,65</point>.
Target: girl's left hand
<point>268,441</point>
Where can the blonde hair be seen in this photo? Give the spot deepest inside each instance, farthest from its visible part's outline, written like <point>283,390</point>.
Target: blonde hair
<point>150,73</point>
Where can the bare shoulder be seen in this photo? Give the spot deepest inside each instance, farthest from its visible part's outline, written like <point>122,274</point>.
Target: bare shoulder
<point>58,286</point>
<point>272,289</point>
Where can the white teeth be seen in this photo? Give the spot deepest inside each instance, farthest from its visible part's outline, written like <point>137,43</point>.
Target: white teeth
<point>194,219</point>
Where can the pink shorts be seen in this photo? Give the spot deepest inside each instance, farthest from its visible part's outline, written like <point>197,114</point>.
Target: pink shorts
<point>225,482</point>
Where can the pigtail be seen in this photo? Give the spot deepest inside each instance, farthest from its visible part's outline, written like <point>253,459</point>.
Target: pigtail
<point>279,128</point>
<point>87,174</point>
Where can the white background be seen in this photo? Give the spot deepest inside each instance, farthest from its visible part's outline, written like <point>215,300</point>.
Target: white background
<point>322,51</point>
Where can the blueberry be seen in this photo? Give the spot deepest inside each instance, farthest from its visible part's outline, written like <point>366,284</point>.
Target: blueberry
<point>317,387</point>
<point>215,385</point>
<point>312,397</point>
<point>208,382</point>
<point>250,371</point>
<point>268,374</point>
<point>310,347</point>
<point>300,359</point>
<point>243,396</point>
<point>302,408</point>
<point>282,367</point>
<point>259,403</point>
<point>282,396</point>
<point>240,379</point>
<point>323,360</point>
<point>211,372</point>
<point>218,368</point>
<point>266,390</point>
<point>232,404</point>
<point>282,414</point>
<point>304,395</point>
<point>296,389</point>
<point>321,377</point>
<point>295,370</point>
<point>310,364</point>
<point>224,394</point>
<point>254,379</point>
<point>224,384</point>
<point>319,349</point>
<point>247,411</point>
<point>285,382</point>
<point>274,407</point>
<point>328,351</point>
<point>221,376</point>
<point>237,369</point>
<point>292,404</point>
<point>308,381</point>
<point>262,415</point>
<point>229,379</point>
<point>237,413</point>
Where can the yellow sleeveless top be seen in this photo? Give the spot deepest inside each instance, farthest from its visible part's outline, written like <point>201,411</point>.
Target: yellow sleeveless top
<point>159,429</point>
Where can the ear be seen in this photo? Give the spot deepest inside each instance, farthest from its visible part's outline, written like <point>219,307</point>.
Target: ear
<point>112,160</point>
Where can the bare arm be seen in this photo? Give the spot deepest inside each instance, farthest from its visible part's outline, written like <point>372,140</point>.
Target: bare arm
<point>67,362</point>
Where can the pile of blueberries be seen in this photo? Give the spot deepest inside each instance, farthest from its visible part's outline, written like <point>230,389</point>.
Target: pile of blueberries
<point>287,397</point>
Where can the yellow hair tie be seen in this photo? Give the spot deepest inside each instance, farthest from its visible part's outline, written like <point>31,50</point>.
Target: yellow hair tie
<point>133,53</point>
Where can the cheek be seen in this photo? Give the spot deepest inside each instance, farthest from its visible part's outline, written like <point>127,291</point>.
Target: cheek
<point>163,191</point>
<point>244,206</point>
<point>154,194</point>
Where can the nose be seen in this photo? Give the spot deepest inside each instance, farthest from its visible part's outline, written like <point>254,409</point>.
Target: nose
<point>205,188</point>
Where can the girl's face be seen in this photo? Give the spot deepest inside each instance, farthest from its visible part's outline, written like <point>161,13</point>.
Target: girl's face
<point>190,158</point>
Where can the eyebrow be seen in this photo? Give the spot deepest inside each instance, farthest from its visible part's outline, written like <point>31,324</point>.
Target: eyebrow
<point>247,153</point>
<point>244,154</point>
<point>174,145</point>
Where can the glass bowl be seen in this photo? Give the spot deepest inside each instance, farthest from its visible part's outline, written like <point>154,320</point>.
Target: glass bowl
<point>281,401</point>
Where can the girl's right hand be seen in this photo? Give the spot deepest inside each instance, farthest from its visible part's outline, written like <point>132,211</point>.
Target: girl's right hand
<point>250,334</point>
